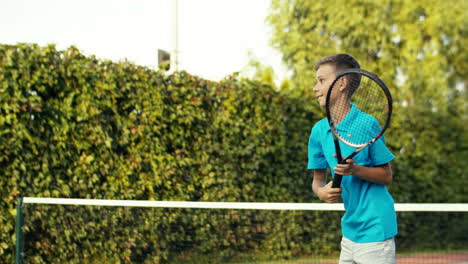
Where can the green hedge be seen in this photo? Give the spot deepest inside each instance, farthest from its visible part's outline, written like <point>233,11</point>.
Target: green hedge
<point>76,126</point>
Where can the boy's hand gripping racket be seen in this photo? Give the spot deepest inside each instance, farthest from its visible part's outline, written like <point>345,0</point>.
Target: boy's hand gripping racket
<point>370,97</point>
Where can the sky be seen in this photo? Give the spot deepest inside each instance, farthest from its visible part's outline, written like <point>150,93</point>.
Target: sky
<point>215,37</point>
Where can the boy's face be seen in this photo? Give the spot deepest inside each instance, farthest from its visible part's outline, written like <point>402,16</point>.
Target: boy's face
<point>326,73</point>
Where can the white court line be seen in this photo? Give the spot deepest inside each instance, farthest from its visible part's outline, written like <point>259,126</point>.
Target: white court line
<point>400,207</point>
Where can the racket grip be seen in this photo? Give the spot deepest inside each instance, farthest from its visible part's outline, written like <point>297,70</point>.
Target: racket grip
<point>337,181</point>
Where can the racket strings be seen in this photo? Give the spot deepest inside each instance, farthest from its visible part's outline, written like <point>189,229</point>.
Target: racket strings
<point>359,109</point>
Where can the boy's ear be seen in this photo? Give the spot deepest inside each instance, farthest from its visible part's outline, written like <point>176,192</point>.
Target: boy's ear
<point>343,83</point>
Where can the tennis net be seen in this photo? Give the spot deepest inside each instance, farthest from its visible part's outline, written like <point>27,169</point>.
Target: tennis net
<point>54,230</point>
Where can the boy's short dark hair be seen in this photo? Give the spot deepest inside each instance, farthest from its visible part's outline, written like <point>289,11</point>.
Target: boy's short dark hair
<point>341,61</point>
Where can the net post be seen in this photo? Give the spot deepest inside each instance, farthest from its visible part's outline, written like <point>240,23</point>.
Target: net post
<point>19,231</point>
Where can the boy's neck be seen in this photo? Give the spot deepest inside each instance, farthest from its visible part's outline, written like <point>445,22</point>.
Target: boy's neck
<point>343,110</point>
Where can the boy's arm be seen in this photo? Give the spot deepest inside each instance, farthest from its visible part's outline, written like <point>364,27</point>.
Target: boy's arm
<point>381,174</point>
<point>323,190</point>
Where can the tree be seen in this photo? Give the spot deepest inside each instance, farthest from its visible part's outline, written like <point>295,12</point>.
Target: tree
<point>418,49</point>
<point>256,70</point>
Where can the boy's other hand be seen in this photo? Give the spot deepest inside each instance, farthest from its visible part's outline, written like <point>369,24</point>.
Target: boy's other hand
<point>329,194</point>
<point>346,169</point>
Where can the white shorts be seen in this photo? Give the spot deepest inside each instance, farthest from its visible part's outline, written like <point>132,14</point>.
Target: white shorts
<point>367,253</point>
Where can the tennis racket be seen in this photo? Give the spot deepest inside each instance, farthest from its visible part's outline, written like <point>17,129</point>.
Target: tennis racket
<point>363,102</point>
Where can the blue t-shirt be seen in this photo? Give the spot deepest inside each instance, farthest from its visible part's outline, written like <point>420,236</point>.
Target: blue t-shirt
<point>370,213</point>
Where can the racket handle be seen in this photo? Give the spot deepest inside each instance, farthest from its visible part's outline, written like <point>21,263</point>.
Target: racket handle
<point>337,178</point>
<point>337,181</point>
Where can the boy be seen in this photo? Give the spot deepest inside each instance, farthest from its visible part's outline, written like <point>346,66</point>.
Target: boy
<point>369,223</point>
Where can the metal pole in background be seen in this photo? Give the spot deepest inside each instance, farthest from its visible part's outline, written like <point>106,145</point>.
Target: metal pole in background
<point>19,231</point>
<point>176,35</point>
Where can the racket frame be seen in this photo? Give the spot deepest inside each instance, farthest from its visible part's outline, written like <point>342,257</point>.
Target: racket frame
<point>336,137</point>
